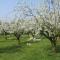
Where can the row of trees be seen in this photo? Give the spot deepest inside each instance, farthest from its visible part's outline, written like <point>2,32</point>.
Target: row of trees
<point>45,21</point>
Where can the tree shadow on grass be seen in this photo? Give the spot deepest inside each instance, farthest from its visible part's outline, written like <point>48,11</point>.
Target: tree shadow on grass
<point>15,48</point>
<point>54,51</point>
<point>58,49</point>
<point>11,49</point>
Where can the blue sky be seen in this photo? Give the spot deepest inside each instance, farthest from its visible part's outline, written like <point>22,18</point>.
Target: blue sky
<point>7,6</point>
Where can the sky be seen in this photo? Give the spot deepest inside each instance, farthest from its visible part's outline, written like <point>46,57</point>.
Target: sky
<point>6,6</point>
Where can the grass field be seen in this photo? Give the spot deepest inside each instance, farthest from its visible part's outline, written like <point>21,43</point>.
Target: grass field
<point>9,50</point>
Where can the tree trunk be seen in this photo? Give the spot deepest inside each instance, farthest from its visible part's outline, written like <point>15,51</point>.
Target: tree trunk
<point>18,42</point>
<point>53,43</point>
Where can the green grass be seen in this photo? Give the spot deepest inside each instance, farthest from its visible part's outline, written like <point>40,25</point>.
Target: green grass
<point>10,50</point>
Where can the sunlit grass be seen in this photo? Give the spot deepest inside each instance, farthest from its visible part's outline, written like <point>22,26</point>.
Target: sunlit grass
<point>10,50</point>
